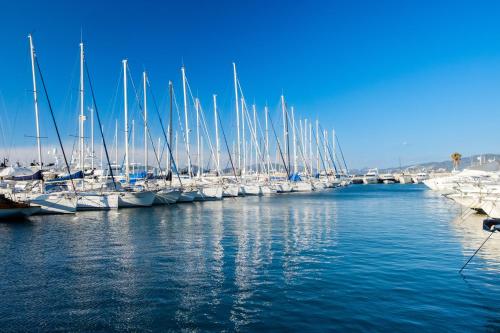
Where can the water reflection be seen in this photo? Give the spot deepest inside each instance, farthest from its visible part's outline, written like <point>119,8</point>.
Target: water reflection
<point>471,234</point>
<point>361,258</point>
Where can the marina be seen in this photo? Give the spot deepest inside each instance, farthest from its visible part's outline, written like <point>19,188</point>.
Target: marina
<point>256,166</point>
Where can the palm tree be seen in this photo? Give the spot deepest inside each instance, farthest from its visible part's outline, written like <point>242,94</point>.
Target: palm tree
<point>456,157</point>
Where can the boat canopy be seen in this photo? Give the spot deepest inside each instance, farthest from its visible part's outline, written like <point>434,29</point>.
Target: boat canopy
<point>294,177</point>
<point>75,175</point>
<point>10,172</point>
<point>36,176</point>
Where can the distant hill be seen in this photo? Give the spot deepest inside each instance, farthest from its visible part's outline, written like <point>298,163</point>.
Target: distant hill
<point>469,161</point>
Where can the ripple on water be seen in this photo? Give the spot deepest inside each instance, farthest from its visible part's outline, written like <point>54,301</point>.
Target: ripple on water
<point>363,258</point>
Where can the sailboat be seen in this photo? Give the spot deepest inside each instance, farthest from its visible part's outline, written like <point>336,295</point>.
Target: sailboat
<point>50,203</point>
<point>131,196</point>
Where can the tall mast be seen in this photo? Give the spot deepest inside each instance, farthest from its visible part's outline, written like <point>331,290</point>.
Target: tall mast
<point>92,137</point>
<point>198,151</point>
<point>325,147</point>
<point>116,141</point>
<point>176,146</point>
<point>217,148</point>
<point>82,115</point>
<point>305,142</point>
<point>102,148</point>
<point>334,147</point>
<point>284,125</point>
<point>144,77</point>
<point>133,145</point>
<point>256,164</point>
<point>183,70</point>
<point>125,109</point>
<point>200,168</point>
<point>159,150</point>
<point>236,99</point>
<point>294,138</point>
<point>310,144</point>
<point>243,113</point>
<point>266,111</point>
<point>317,146</point>
<point>170,129</point>
<point>301,136</point>
<point>35,99</point>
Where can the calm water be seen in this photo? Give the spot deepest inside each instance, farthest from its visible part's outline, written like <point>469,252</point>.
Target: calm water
<point>363,258</point>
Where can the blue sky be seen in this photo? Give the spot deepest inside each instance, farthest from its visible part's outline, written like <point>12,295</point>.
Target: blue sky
<point>414,80</point>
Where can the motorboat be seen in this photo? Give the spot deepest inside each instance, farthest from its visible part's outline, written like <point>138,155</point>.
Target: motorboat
<point>371,177</point>
<point>404,178</point>
<point>387,178</point>
<point>420,177</point>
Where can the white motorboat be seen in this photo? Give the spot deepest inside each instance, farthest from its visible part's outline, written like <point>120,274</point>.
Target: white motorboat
<point>129,199</point>
<point>491,206</point>
<point>447,184</point>
<point>387,178</point>
<point>404,179</point>
<point>371,177</point>
<point>167,196</point>
<point>420,177</point>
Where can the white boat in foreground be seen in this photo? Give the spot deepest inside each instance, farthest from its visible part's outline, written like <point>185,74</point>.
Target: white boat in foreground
<point>51,203</point>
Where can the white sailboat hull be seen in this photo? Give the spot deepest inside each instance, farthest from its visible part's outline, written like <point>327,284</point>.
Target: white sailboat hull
<point>252,189</point>
<point>167,197</point>
<point>135,199</point>
<point>267,190</point>
<point>231,191</point>
<point>209,193</point>
<point>302,187</point>
<point>187,196</point>
<point>96,201</point>
<point>54,203</point>
<point>283,188</point>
